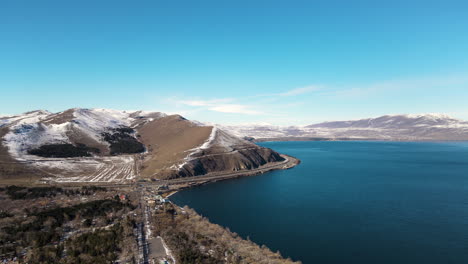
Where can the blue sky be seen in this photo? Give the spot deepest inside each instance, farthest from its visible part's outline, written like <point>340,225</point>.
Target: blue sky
<point>280,62</point>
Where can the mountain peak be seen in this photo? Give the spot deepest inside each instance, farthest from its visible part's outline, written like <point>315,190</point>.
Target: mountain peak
<point>426,115</point>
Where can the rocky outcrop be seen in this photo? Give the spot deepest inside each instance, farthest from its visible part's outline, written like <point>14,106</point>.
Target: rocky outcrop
<point>226,152</point>
<point>243,159</point>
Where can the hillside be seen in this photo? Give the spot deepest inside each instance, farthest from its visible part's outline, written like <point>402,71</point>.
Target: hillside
<point>427,127</point>
<point>101,145</point>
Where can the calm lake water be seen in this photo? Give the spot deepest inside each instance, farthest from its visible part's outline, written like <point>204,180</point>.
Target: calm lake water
<point>350,202</point>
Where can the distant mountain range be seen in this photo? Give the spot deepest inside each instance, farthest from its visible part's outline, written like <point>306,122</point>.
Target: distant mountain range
<point>101,145</point>
<point>424,127</point>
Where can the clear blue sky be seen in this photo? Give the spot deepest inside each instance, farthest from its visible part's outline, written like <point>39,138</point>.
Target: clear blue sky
<point>281,62</point>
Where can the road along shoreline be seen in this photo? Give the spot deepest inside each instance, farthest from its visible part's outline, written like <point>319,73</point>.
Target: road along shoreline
<point>185,183</point>
<point>287,163</point>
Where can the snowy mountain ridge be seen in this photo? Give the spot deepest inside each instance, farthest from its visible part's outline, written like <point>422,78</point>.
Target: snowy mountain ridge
<point>33,129</point>
<point>102,145</point>
<point>387,127</point>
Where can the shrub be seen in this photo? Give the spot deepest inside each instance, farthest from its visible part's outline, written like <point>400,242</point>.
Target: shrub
<point>122,141</point>
<point>63,151</point>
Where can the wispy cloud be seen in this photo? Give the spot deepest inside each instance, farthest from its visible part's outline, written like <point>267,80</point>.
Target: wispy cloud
<point>222,105</point>
<point>260,104</point>
<point>206,102</point>
<point>300,91</point>
<point>235,109</point>
<point>312,103</point>
<point>289,93</point>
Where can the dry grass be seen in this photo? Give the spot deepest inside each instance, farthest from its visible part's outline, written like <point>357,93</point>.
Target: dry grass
<point>11,171</point>
<point>167,140</point>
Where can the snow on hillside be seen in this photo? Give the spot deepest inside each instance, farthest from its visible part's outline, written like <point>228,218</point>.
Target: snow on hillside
<point>209,141</point>
<point>97,119</point>
<point>220,139</point>
<point>194,151</point>
<point>102,169</point>
<point>26,118</point>
<point>388,127</point>
<point>28,131</point>
<point>394,121</point>
<point>93,122</point>
<point>24,137</point>
<point>34,129</point>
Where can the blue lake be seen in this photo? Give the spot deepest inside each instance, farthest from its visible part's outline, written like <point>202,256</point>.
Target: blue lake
<point>350,202</point>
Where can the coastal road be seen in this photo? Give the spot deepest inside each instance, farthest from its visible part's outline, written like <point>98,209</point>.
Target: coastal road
<point>289,162</point>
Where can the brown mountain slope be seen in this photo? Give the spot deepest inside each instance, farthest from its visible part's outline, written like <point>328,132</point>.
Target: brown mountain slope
<point>11,171</point>
<point>167,140</point>
<point>179,148</point>
<point>102,145</point>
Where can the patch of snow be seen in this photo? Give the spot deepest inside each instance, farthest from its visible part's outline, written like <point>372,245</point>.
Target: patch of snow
<point>168,251</point>
<point>27,132</point>
<point>93,122</point>
<point>107,169</point>
<point>429,116</point>
<point>210,139</point>
<point>400,126</point>
<point>99,119</point>
<point>26,118</point>
<point>24,137</point>
<point>198,123</point>
<point>196,150</point>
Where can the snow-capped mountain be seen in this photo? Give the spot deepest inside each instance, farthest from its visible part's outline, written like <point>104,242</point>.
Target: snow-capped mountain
<point>110,145</point>
<point>396,122</point>
<point>86,126</point>
<point>388,127</point>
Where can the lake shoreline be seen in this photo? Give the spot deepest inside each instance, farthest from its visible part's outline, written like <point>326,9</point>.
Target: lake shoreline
<point>344,196</point>
<point>289,163</point>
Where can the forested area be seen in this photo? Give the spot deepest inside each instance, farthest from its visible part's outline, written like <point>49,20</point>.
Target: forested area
<point>19,192</point>
<point>122,141</point>
<point>86,232</point>
<point>63,151</point>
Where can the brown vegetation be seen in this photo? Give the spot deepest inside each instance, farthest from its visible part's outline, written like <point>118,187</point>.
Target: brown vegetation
<point>193,239</point>
<point>12,171</point>
<point>168,139</point>
<point>73,225</point>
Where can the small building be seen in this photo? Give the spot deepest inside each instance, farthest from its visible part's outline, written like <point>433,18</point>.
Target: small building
<point>123,197</point>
